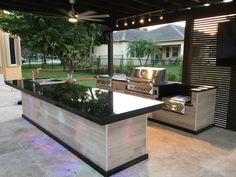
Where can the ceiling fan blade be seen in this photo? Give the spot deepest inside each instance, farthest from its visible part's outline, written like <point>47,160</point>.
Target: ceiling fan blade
<point>95,16</point>
<point>93,20</point>
<point>64,12</point>
<point>87,13</point>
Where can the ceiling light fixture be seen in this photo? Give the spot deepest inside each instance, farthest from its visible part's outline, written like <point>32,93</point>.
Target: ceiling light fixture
<point>207,5</point>
<point>225,1</point>
<point>188,8</point>
<point>133,21</point>
<point>149,18</point>
<point>73,19</point>
<point>125,23</point>
<point>141,20</point>
<point>117,25</point>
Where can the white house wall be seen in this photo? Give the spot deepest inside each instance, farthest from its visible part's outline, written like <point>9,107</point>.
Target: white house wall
<point>120,49</point>
<point>174,43</point>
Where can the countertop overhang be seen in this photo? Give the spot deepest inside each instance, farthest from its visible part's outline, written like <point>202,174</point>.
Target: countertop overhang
<point>97,105</point>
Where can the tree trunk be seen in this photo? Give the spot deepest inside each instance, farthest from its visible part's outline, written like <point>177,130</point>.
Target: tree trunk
<point>64,66</point>
<point>30,63</point>
<point>146,61</point>
<point>44,59</point>
<point>140,61</point>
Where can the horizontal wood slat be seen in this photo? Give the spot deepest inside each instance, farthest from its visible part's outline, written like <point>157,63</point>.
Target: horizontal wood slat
<point>202,62</point>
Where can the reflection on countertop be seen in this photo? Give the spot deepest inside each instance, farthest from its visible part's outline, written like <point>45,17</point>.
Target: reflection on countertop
<point>98,105</point>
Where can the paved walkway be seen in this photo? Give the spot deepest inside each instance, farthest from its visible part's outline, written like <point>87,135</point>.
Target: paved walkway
<point>27,152</point>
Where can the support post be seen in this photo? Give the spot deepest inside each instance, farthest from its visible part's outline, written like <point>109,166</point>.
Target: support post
<point>110,53</point>
<point>186,75</point>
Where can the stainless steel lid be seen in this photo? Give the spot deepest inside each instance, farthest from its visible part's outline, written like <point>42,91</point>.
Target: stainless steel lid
<point>149,74</point>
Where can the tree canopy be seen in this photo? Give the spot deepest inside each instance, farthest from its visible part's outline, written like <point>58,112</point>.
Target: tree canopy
<point>143,49</point>
<point>53,36</point>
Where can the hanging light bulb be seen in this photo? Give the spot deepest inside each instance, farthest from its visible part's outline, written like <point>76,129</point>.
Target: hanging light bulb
<point>125,23</point>
<point>133,21</point>
<point>117,25</point>
<point>149,18</point>
<point>141,20</point>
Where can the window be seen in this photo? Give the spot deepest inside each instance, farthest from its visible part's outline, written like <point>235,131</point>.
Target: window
<point>175,51</point>
<point>12,51</point>
<point>167,52</point>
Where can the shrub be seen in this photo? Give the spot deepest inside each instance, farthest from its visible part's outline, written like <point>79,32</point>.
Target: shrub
<point>173,77</point>
<point>179,60</point>
<point>129,66</point>
<point>86,64</point>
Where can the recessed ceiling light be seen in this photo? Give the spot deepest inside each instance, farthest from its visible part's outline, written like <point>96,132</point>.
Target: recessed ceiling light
<point>227,1</point>
<point>188,8</point>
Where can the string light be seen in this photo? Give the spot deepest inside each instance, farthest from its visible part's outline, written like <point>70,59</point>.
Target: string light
<point>159,13</point>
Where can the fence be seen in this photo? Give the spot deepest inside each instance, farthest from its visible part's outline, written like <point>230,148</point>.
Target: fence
<point>120,61</point>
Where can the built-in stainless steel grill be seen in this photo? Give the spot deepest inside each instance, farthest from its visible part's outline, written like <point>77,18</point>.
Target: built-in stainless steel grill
<point>104,82</point>
<point>107,82</point>
<point>143,79</point>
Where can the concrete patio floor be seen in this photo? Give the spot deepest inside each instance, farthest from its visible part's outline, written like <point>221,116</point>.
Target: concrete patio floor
<point>26,151</point>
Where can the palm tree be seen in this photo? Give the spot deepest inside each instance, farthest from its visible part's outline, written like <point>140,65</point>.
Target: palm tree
<point>143,48</point>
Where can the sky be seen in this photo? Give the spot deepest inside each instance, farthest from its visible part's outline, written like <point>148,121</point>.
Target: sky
<point>181,23</point>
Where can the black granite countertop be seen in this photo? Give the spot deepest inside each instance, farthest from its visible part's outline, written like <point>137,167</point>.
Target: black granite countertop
<point>97,105</point>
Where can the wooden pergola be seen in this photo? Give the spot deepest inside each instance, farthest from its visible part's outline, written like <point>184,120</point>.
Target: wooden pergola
<point>172,10</point>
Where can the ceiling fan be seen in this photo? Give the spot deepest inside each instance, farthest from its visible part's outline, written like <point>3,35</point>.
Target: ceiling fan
<point>74,16</point>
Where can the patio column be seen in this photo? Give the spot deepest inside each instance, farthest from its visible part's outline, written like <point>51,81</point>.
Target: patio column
<point>110,53</point>
<point>186,70</point>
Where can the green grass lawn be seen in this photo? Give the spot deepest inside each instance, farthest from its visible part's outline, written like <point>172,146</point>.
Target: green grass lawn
<point>58,74</point>
<point>174,73</point>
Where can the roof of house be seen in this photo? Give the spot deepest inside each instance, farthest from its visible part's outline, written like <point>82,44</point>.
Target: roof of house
<point>166,33</point>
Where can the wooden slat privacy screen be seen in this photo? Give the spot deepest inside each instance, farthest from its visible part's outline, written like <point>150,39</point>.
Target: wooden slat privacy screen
<point>202,63</point>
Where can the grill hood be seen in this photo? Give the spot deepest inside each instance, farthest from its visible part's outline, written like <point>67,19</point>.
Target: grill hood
<point>149,74</point>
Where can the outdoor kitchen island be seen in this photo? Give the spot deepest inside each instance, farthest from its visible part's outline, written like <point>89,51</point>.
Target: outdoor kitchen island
<point>105,129</point>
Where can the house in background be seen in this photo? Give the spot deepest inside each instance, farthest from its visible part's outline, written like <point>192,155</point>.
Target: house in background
<point>170,38</point>
<point>10,57</point>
